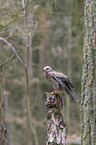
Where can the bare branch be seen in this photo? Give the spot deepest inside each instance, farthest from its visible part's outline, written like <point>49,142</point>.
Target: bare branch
<point>23,5</point>
<point>17,28</point>
<point>8,60</point>
<point>14,50</point>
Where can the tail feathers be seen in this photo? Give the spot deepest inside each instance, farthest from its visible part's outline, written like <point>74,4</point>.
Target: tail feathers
<point>72,96</point>
<point>70,92</point>
<point>67,89</point>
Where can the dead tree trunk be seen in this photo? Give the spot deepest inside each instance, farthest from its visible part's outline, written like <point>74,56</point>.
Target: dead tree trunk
<point>56,127</point>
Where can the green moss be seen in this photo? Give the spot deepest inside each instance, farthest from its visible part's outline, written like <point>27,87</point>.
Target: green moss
<point>49,116</point>
<point>55,110</point>
<point>50,98</point>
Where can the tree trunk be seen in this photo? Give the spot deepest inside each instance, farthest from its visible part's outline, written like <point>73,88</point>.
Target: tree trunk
<point>88,100</point>
<point>33,131</point>
<point>68,105</point>
<point>3,130</point>
<point>56,127</point>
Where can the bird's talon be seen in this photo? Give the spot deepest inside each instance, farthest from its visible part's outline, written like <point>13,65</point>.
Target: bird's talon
<point>52,93</point>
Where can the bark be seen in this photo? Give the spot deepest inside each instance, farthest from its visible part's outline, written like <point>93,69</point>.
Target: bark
<point>3,130</point>
<point>88,100</point>
<point>56,127</point>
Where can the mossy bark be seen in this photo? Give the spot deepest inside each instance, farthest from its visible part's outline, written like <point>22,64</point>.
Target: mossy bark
<point>88,101</point>
<point>56,127</point>
<point>3,130</point>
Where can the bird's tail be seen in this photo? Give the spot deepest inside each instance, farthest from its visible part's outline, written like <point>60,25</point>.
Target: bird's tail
<point>67,88</point>
<point>71,95</point>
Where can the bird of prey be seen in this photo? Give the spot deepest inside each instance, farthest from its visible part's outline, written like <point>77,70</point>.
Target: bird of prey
<point>60,82</point>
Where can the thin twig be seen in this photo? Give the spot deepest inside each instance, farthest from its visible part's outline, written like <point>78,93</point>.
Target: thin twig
<point>19,58</point>
<point>8,60</point>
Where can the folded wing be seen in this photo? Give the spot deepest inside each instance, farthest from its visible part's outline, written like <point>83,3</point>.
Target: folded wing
<point>67,86</point>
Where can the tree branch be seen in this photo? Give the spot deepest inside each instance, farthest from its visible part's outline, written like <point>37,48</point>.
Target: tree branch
<point>14,50</point>
<point>8,60</point>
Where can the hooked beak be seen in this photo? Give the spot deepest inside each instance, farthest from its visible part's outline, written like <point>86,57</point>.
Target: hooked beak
<point>44,73</point>
<point>44,70</point>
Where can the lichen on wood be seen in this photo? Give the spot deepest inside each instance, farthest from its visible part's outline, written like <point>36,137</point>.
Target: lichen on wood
<point>3,130</point>
<point>56,127</point>
<point>88,100</point>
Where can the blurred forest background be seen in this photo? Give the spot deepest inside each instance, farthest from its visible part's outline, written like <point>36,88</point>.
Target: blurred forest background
<point>40,32</point>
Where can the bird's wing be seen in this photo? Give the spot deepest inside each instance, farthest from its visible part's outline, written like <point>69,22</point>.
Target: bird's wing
<point>67,82</point>
<point>61,77</point>
<point>67,89</point>
<point>58,74</point>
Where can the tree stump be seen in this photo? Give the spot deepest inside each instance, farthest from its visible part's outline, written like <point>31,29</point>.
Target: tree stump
<point>56,127</point>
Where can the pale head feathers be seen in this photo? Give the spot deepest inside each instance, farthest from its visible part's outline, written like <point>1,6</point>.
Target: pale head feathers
<point>47,68</point>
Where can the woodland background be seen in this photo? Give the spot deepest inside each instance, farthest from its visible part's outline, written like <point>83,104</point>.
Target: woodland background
<point>41,32</point>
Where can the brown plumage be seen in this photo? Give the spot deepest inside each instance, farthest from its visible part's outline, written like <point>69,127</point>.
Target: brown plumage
<point>60,82</point>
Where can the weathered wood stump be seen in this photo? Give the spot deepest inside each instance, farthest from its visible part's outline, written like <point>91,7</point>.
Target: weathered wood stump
<point>56,127</point>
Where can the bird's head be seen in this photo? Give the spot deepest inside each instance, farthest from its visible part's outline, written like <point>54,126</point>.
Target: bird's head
<point>46,70</point>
